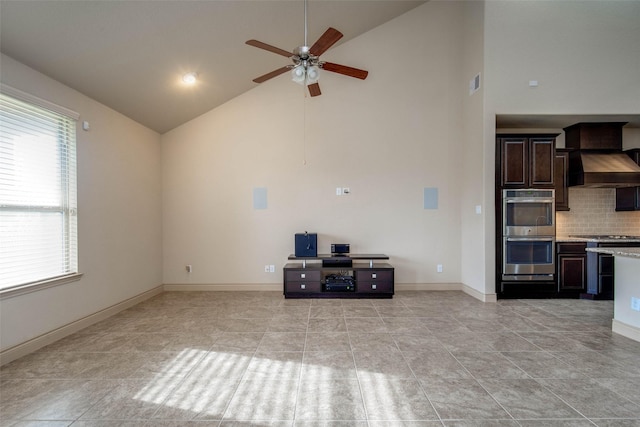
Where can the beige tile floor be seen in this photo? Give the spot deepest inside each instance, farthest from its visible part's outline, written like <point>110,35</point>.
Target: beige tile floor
<point>255,359</point>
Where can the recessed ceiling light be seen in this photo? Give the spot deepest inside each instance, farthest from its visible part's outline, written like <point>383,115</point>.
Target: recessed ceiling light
<point>190,78</point>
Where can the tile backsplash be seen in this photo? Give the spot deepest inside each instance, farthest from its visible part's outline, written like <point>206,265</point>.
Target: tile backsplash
<point>593,212</point>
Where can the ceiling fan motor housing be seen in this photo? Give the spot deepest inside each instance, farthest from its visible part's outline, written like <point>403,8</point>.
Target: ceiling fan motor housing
<point>302,52</point>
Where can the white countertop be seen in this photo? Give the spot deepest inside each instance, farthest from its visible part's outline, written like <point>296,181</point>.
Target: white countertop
<point>602,239</point>
<point>625,252</point>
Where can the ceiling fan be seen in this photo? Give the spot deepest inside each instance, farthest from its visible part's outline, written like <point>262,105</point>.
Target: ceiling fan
<point>306,60</point>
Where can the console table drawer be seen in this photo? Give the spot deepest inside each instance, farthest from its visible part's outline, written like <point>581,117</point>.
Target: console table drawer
<point>373,287</point>
<point>374,276</point>
<point>302,287</point>
<point>302,275</point>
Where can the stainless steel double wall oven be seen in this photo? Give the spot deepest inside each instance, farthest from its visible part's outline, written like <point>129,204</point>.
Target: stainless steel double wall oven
<point>528,234</point>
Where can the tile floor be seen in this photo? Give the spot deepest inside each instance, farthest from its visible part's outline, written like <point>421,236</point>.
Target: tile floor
<point>256,359</point>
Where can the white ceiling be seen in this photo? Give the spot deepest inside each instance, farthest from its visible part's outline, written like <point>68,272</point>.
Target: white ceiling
<point>130,55</point>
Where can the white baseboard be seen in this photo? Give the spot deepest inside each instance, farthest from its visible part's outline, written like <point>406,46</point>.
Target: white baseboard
<point>428,286</point>
<point>479,295</point>
<point>446,287</point>
<point>626,330</point>
<point>278,287</point>
<point>37,343</point>
<point>224,287</point>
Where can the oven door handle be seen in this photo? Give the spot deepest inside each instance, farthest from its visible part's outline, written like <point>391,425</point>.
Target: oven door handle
<point>529,200</point>
<point>529,239</point>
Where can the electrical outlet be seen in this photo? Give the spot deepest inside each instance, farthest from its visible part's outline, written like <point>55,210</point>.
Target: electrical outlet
<point>266,268</point>
<point>439,268</point>
<point>188,268</point>
<point>272,268</point>
<point>346,190</point>
<point>635,304</point>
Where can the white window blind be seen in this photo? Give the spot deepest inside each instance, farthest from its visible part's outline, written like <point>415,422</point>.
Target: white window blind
<point>38,203</point>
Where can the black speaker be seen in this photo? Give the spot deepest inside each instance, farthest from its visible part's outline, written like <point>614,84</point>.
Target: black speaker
<point>306,244</point>
<point>340,248</point>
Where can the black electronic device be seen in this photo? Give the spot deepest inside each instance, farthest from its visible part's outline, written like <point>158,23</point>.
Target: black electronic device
<point>337,261</point>
<point>306,244</point>
<point>339,283</point>
<point>340,248</point>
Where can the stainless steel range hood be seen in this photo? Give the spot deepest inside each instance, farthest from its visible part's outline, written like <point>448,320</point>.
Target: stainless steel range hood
<point>597,159</point>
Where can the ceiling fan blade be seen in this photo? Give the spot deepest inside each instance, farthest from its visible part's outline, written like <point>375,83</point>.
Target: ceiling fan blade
<point>347,71</point>
<point>314,89</point>
<point>328,39</point>
<point>271,75</point>
<point>260,45</point>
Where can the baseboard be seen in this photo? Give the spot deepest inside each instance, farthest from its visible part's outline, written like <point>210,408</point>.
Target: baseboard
<point>37,343</point>
<point>224,287</point>
<point>624,329</point>
<point>479,295</point>
<point>278,287</point>
<point>428,286</point>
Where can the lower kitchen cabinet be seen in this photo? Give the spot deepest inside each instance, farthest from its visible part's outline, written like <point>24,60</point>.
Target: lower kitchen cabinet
<point>571,267</point>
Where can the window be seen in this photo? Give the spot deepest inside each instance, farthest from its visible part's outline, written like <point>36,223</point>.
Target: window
<point>38,209</point>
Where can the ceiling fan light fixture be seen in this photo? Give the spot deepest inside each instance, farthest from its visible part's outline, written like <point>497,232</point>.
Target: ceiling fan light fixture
<point>313,74</point>
<point>298,74</point>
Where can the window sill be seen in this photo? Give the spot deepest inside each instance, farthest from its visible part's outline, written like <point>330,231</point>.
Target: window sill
<point>27,288</point>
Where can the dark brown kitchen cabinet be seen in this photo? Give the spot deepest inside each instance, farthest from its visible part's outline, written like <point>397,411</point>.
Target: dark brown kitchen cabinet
<point>571,268</point>
<point>561,179</point>
<point>527,161</point>
<point>628,199</point>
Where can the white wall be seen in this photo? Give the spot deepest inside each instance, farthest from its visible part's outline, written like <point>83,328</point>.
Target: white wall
<point>585,56</point>
<point>119,215</point>
<point>627,271</point>
<point>473,270</point>
<point>387,138</point>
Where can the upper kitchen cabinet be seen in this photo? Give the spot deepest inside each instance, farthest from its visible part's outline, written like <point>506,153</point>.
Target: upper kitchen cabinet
<point>527,161</point>
<point>561,179</point>
<point>628,198</point>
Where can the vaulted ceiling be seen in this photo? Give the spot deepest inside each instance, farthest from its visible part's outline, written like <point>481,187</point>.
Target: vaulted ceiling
<point>131,55</point>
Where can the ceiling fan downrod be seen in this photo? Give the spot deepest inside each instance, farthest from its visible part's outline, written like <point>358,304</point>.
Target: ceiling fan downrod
<point>305,24</point>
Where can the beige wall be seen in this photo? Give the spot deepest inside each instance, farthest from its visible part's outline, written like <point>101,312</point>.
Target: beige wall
<point>119,215</point>
<point>386,138</point>
<point>473,271</point>
<point>585,56</point>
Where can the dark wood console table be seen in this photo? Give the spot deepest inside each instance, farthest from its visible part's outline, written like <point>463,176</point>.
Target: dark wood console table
<point>306,277</point>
